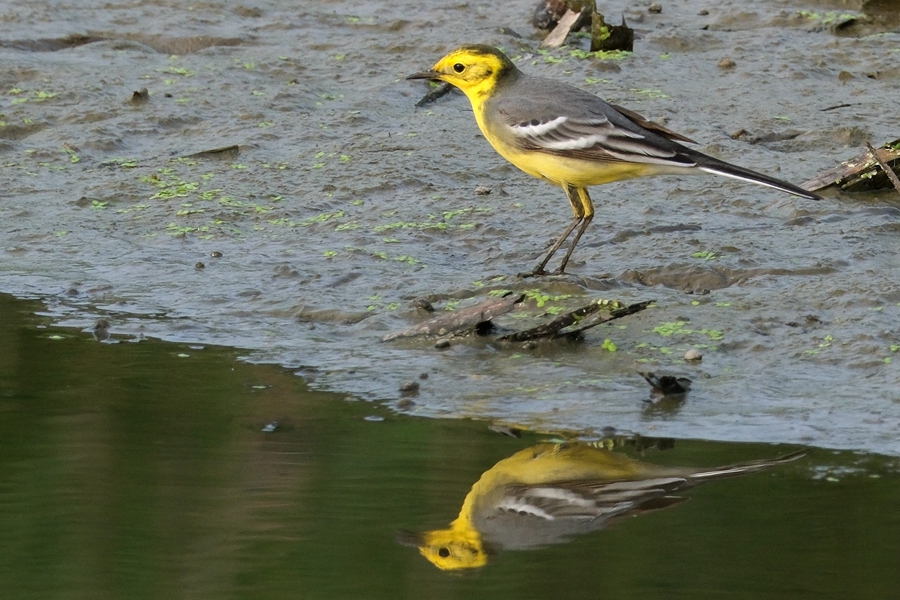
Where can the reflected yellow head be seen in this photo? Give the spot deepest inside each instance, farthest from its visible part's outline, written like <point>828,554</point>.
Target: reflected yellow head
<point>453,549</point>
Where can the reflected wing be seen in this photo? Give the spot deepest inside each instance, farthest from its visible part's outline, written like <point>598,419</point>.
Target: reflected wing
<point>530,516</point>
<point>580,500</point>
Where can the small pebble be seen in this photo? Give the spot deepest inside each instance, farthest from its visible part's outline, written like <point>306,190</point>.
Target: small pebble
<point>442,343</point>
<point>423,376</point>
<point>199,266</point>
<point>726,63</point>
<point>410,387</point>
<point>506,430</point>
<point>423,304</point>
<point>655,8</point>
<point>703,12</point>
<point>215,254</point>
<point>141,96</point>
<point>101,330</point>
<point>693,354</point>
<point>405,404</point>
<point>482,190</point>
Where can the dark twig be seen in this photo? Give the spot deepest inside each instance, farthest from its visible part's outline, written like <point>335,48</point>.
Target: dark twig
<point>887,170</point>
<point>559,327</point>
<point>434,94</point>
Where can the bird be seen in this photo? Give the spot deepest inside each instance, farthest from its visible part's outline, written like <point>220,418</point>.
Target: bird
<point>572,138</point>
<point>550,492</point>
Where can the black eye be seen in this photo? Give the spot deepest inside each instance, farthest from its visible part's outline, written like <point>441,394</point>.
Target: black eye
<point>443,552</point>
<point>459,67</point>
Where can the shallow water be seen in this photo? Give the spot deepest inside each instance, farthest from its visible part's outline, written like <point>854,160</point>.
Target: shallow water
<point>143,470</point>
<point>346,203</point>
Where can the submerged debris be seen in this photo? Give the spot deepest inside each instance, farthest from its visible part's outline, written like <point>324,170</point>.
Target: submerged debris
<point>460,321</point>
<point>478,319</point>
<point>563,326</point>
<point>223,153</point>
<point>667,385</point>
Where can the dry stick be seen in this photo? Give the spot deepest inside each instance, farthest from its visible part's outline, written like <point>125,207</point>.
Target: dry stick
<point>556,37</point>
<point>887,170</point>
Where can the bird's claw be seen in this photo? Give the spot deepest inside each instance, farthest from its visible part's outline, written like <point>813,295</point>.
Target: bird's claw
<point>536,272</point>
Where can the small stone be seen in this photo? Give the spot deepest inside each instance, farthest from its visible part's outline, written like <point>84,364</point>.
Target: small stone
<point>199,266</point>
<point>726,63</point>
<point>506,430</point>
<point>101,330</point>
<point>409,387</point>
<point>423,304</point>
<point>405,404</point>
<point>140,97</point>
<point>703,13</point>
<point>215,254</point>
<point>423,376</point>
<point>442,343</point>
<point>655,8</point>
<point>482,190</point>
<point>693,354</point>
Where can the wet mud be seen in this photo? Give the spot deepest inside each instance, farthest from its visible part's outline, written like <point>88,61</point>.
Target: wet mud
<point>343,205</point>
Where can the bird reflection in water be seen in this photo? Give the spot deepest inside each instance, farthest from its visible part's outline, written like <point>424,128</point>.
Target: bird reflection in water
<point>550,492</point>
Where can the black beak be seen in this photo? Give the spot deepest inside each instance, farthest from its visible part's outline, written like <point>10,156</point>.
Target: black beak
<point>410,539</point>
<point>432,75</point>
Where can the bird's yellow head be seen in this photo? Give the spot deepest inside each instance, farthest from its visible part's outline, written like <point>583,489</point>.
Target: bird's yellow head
<point>454,549</point>
<point>476,70</point>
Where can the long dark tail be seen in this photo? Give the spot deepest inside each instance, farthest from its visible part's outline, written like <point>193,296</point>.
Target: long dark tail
<point>719,167</point>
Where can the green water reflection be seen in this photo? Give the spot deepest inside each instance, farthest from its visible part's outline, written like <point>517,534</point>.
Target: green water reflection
<point>141,470</point>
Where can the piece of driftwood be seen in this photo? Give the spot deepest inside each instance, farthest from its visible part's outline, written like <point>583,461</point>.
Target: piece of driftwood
<point>573,323</point>
<point>462,320</point>
<point>884,168</point>
<point>606,37</point>
<point>861,173</point>
<point>556,37</point>
<point>223,153</point>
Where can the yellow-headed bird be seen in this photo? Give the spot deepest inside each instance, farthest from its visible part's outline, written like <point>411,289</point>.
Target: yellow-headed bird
<point>570,137</point>
<point>550,492</point>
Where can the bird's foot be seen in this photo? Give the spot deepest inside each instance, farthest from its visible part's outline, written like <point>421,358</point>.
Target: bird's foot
<point>535,272</point>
